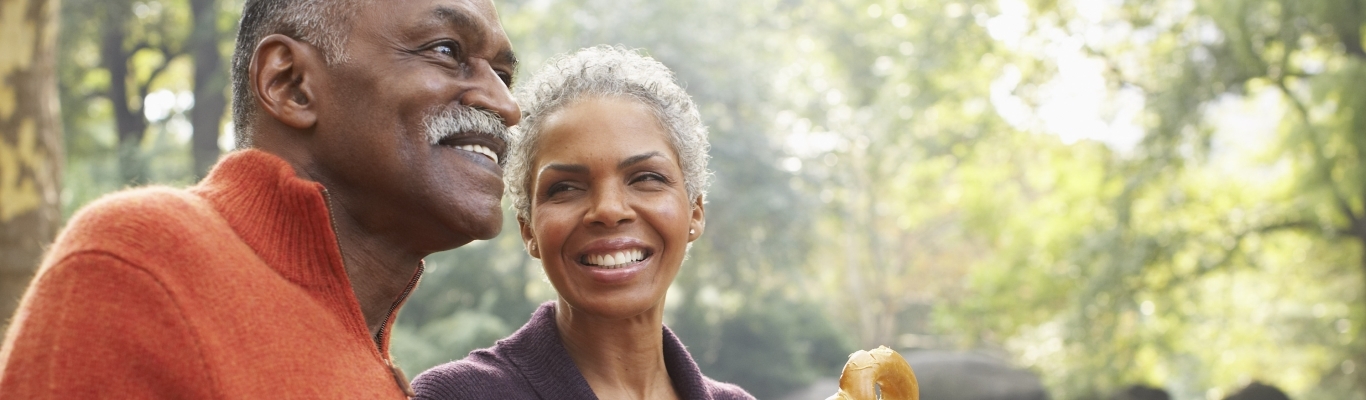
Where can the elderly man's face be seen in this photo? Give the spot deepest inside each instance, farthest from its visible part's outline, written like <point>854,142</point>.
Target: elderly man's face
<point>407,62</point>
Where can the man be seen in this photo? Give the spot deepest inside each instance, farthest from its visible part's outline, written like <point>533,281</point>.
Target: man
<point>373,132</point>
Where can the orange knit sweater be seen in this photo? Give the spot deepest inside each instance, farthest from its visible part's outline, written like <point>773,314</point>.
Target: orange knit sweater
<point>231,289</point>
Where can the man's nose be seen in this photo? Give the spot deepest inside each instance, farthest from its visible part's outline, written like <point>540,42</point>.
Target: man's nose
<point>490,93</point>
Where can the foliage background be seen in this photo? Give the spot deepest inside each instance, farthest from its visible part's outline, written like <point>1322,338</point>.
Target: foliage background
<point>1104,192</point>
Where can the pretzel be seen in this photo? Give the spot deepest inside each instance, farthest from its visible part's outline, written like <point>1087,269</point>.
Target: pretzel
<point>881,367</point>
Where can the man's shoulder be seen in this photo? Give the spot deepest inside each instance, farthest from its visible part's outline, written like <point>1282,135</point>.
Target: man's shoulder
<point>140,224</point>
<point>140,210</point>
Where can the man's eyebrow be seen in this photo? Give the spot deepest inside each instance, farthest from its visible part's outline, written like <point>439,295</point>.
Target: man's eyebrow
<point>507,57</point>
<point>636,159</point>
<point>459,19</point>
<point>475,27</point>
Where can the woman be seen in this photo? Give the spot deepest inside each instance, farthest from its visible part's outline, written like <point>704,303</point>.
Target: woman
<point>608,178</point>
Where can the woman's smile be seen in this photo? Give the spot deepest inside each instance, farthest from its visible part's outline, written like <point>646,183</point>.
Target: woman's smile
<point>615,261</point>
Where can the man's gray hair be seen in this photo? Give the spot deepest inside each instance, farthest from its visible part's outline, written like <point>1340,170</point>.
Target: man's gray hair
<point>606,71</point>
<point>321,23</point>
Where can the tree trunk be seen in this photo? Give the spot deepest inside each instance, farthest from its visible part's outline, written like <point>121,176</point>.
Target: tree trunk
<point>30,143</point>
<point>128,118</point>
<point>209,82</point>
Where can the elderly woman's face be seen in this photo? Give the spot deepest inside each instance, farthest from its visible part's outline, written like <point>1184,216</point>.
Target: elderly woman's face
<point>610,215</point>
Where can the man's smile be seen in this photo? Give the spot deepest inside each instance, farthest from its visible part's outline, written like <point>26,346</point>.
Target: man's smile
<point>482,144</point>
<point>481,150</point>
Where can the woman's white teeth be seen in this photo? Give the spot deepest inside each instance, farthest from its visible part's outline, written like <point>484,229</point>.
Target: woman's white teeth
<point>481,150</point>
<point>615,260</point>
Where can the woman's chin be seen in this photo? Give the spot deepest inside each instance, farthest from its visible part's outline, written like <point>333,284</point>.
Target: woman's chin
<point>616,306</point>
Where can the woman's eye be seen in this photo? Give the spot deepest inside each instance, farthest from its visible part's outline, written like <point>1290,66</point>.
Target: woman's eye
<point>557,189</point>
<point>650,176</point>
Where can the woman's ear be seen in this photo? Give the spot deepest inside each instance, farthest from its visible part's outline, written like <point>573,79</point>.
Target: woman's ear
<point>284,73</point>
<point>528,238</point>
<point>698,220</point>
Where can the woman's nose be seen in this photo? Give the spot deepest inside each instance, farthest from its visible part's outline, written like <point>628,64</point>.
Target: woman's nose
<point>610,207</point>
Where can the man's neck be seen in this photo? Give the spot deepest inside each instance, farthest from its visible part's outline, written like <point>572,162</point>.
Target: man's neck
<point>381,274</point>
<point>379,285</point>
<point>379,270</point>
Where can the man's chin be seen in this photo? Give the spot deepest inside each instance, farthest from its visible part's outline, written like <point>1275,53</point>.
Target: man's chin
<point>485,227</point>
<point>489,233</point>
<point>477,217</point>
<point>459,238</point>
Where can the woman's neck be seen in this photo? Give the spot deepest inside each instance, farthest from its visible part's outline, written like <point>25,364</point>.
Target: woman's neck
<point>620,358</point>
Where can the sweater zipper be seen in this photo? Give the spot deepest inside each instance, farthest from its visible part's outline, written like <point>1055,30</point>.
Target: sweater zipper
<point>412,283</point>
<point>399,378</point>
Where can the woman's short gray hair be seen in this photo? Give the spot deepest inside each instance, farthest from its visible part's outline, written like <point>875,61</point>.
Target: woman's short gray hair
<point>606,71</point>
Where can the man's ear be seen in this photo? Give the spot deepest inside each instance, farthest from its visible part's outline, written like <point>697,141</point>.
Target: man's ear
<point>698,220</point>
<point>528,238</point>
<point>284,74</point>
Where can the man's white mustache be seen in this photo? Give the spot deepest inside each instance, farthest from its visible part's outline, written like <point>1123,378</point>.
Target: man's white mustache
<point>457,120</point>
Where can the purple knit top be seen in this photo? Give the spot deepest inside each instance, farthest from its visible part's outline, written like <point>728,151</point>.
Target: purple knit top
<point>533,364</point>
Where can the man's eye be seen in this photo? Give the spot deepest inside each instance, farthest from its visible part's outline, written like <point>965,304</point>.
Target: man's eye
<point>448,49</point>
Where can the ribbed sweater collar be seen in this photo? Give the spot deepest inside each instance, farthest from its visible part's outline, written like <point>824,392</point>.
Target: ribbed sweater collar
<point>285,219</point>
<point>539,353</point>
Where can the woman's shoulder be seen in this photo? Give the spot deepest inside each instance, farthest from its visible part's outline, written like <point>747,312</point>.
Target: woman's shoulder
<point>482,374</point>
<point>498,372</point>
<point>725,391</point>
<point>684,370</point>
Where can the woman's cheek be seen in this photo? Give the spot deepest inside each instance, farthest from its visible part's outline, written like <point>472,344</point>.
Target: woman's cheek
<point>555,228</point>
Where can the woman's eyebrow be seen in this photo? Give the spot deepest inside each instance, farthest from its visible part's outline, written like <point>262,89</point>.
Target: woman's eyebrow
<point>581,169</point>
<point>636,159</point>
<point>573,168</point>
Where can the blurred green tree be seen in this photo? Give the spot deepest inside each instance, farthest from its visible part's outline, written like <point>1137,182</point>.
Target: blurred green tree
<point>1174,261</point>
<point>156,69</point>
